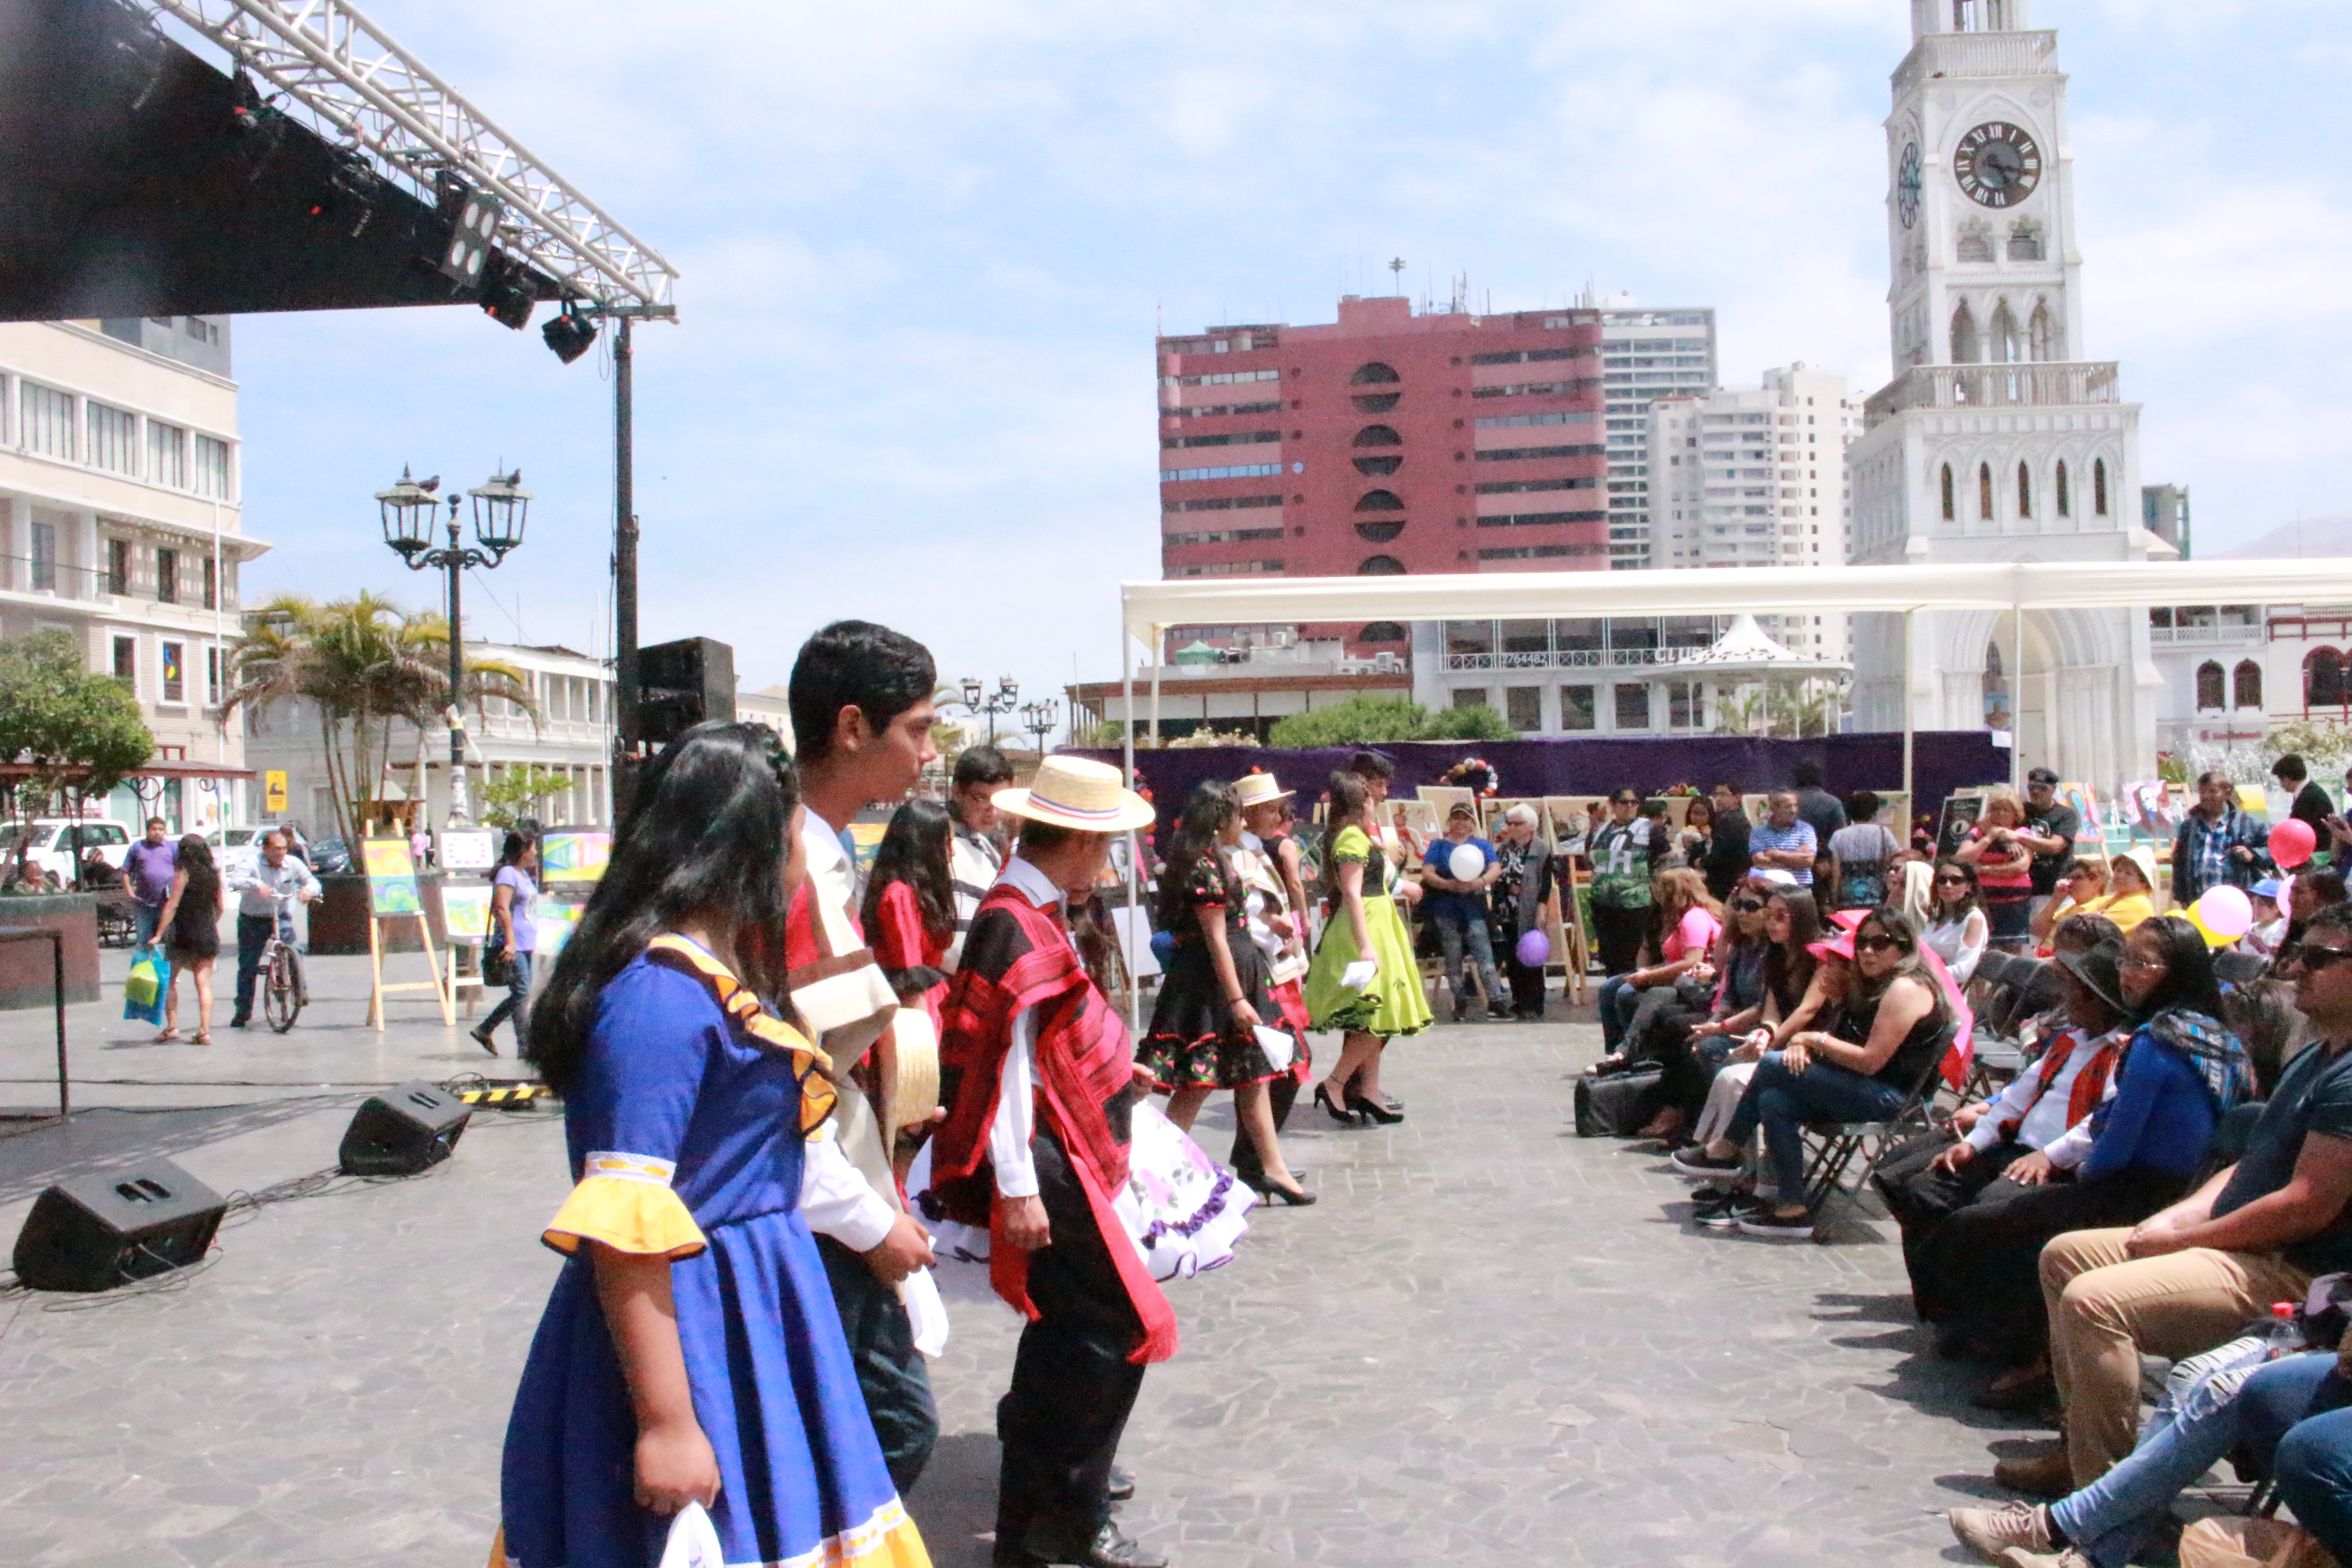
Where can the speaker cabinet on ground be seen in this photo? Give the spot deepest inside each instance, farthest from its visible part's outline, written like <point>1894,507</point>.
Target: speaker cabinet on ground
<point>409,1127</point>
<point>682,683</point>
<point>95,1232</point>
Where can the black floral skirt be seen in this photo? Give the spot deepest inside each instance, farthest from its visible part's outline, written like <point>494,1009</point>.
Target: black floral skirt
<point>1192,1043</point>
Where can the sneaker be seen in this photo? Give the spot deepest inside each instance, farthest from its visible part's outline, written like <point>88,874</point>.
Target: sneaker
<point>1731,1216</point>
<point>1696,1161</point>
<point>2065,1557</point>
<point>1990,1532</point>
<point>1769,1227</point>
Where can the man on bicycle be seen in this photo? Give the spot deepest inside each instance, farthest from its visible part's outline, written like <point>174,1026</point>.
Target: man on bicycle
<point>262,908</point>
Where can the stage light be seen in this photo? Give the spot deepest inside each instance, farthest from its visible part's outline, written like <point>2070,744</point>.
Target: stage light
<point>474,216</point>
<point>569,335</point>
<point>504,300</point>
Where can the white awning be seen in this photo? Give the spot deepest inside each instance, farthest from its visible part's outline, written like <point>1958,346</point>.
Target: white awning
<point>1760,590</point>
<point>1746,650</point>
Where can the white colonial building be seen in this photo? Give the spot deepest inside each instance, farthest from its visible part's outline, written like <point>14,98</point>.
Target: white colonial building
<point>1998,440</point>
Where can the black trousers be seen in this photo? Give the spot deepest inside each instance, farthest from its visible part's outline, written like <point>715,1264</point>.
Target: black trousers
<point>1618,933</point>
<point>1921,1200</point>
<point>1073,1385</point>
<point>891,1370</point>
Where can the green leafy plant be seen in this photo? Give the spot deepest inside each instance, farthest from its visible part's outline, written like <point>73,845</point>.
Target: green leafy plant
<point>520,792</point>
<point>1793,709</point>
<point>1366,720</point>
<point>78,730</point>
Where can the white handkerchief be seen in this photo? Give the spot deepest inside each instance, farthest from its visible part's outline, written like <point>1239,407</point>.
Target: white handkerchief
<point>1359,974</point>
<point>1277,1045</point>
<point>693,1541</point>
<point>927,1314</point>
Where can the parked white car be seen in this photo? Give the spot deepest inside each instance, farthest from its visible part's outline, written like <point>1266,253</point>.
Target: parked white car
<point>52,843</point>
<point>236,849</point>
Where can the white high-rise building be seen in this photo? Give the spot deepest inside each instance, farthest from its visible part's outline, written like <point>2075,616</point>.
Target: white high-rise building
<point>1756,477</point>
<point>1645,355</point>
<point>1997,441</point>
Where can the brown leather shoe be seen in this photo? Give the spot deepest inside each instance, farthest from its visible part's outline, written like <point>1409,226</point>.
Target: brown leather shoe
<point>2044,1475</point>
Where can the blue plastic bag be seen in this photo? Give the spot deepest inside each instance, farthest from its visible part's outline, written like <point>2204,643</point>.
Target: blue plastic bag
<point>149,982</point>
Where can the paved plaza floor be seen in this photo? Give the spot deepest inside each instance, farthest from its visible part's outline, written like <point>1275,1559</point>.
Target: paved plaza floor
<point>1490,1343</point>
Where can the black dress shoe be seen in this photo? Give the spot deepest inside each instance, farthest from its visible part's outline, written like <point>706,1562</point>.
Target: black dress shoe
<point>1122,1485</point>
<point>1108,1549</point>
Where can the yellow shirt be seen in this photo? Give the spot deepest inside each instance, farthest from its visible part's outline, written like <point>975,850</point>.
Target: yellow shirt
<point>2126,910</point>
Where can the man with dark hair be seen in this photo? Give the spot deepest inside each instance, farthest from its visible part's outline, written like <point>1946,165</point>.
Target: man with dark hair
<point>2311,803</point>
<point>1727,845</point>
<point>2218,844</point>
<point>974,853</point>
<point>2050,828</point>
<point>1370,766</point>
<point>1821,810</point>
<point>148,866</point>
<point>861,704</point>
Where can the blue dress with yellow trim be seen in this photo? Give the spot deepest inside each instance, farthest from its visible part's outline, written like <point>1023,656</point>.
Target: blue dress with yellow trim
<point>685,1138</point>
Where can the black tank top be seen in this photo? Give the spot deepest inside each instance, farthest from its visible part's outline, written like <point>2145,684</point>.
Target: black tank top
<point>1912,1059</point>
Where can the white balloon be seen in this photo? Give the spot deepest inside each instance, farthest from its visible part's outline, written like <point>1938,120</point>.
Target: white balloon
<point>1466,864</point>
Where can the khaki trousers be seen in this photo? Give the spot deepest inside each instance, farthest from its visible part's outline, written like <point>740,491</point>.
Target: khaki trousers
<point>2107,1308</point>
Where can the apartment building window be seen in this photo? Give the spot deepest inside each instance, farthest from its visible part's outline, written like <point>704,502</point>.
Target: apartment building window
<point>212,675</point>
<point>1524,706</point>
<point>47,421</point>
<point>1633,707</point>
<point>45,557</point>
<point>2246,685</point>
<point>1470,696</point>
<point>167,455</point>
<point>212,467</point>
<point>1576,709</point>
<point>174,670</point>
<point>212,584</point>
<point>2209,686</point>
<point>167,576</point>
<point>126,662</point>
<point>1686,705</point>
<point>113,439</point>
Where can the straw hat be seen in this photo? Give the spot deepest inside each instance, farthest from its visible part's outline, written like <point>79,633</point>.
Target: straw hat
<point>1260,789</point>
<point>1076,792</point>
<point>2143,860</point>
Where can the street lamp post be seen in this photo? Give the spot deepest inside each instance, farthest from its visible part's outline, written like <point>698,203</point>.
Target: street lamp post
<point>1004,700</point>
<point>500,505</point>
<point>1038,718</point>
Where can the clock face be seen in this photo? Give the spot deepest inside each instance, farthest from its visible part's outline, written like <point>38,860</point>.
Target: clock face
<point>1997,164</point>
<point>1906,185</point>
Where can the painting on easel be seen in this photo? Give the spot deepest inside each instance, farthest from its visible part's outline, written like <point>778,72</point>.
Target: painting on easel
<point>393,895</point>
<point>391,878</point>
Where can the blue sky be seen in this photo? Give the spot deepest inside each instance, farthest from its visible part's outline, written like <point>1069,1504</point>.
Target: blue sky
<point>924,249</point>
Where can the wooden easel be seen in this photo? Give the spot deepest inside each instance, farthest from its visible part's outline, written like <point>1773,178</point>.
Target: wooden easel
<point>466,980</point>
<point>378,990</point>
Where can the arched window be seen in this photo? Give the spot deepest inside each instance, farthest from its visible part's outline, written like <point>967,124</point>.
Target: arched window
<point>2042,333</point>
<point>1952,509</point>
<point>1378,533</point>
<point>1372,374</point>
<point>1380,566</point>
<point>2246,685</point>
<point>1377,402</point>
<point>1377,436</point>
<point>2065,497</point>
<point>1380,501</point>
<point>2003,347</point>
<point>2024,491</point>
<point>1381,631</point>
<point>1984,491</point>
<point>2210,686</point>
<point>2322,679</point>
<point>1378,467</point>
<point>2099,487</point>
<point>1966,347</point>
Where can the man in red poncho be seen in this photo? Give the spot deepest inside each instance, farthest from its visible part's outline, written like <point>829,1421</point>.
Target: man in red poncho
<point>1042,1081</point>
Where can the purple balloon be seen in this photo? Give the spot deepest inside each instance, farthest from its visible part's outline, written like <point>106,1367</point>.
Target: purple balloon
<point>1534,948</point>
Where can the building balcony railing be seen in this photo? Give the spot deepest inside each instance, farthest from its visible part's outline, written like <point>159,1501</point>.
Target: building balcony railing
<point>2223,633</point>
<point>1576,659</point>
<point>2053,385</point>
<point>1977,54</point>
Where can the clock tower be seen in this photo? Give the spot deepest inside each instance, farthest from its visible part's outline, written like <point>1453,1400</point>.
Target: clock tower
<point>1997,440</point>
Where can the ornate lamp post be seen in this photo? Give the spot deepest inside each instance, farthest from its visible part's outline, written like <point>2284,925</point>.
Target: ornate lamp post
<point>1039,719</point>
<point>1004,700</point>
<point>501,506</point>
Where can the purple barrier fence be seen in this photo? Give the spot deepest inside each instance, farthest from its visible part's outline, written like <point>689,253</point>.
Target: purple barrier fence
<point>1942,761</point>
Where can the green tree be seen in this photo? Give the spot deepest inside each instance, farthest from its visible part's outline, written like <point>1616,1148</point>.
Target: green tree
<point>1476,722</point>
<point>79,731</point>
<point>1368,720</point>
<point>519,793</point>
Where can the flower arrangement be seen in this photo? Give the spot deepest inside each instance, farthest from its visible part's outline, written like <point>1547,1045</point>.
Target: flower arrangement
<point>1475,775</point>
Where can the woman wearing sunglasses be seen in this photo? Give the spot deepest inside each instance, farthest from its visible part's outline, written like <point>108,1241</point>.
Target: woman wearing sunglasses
<point>1957,929</point>
<point>1679,1034</point>
<point>1888,1035</point>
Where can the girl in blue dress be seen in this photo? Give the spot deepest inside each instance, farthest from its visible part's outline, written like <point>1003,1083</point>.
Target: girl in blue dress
<point>690,1351</point>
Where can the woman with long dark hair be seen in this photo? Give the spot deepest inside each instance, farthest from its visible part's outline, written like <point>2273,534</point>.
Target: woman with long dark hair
<point>189,928</point>
<point>690,1350</point>
<point>910,913</point>
<point>1958,929</point>
<point>1365,929</point>
<point>1203,1034</point>
<point>514,931</point>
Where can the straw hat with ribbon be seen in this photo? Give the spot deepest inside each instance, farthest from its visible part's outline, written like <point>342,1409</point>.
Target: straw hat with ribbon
<point>1260,789</point>
<point>1076,792</point>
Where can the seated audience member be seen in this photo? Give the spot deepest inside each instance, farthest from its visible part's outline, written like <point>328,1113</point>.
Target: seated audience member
<point>1784,841</point>
<point>2268,933</point>
<point>2140,1148</point>
<point>2247,1413</point>
<point>1936,1175</point>
<point>2081,884</point>
<point>2184,1279</point>
<point>1735,968</point>
<point>1704,1082</point>
<point>2131,889</point>
<point>2309,891</point>
<point>2263,1015</point>
<point>2314,1470</point>
<point>1957,928</point>
<point>1889,1033</point>
<point>1689,919</point>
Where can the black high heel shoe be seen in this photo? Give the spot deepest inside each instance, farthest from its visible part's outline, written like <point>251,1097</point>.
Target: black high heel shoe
<point>1373,1109</point>
<point>1323,1099</point>
<point>1296,1197</point>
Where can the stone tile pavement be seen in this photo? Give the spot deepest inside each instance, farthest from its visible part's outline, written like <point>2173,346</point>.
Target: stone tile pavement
<point>1490,1341</point>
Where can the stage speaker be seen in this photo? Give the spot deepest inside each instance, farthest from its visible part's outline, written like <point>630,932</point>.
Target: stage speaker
<point>682,683</point>
<point>408,1129</point>
<point>95,1232</point>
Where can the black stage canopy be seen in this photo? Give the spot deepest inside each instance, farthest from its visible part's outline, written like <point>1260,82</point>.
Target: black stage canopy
<point>137,179</point>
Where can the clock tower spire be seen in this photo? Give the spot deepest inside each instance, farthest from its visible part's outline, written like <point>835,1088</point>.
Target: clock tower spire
<point>1998,440</point>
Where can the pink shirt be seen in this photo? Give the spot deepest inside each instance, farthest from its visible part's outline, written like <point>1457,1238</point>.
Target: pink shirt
<point>1695,932</point>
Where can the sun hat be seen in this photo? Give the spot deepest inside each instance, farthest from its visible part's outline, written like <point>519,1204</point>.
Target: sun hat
<point>1839,946</point>
<point>2100,972</point>
<point>1260,789</point>
<point>2144,859</point>
<point>1849,921</point>
<point>2268,887</point>
<point>1076,792</point>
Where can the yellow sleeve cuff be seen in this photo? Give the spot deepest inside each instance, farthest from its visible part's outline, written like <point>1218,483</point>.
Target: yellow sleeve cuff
<point>624,1202</point>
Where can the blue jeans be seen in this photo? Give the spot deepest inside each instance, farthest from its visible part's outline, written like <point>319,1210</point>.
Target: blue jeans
<point>1784,1101</point>
<point>144,919</point>
<point>516,1002</point>
<point>252,936</point>
<point>2234,1412</point>
<point>2313,1469</point>
<point>1615,999</point>
<point>1455,932</point>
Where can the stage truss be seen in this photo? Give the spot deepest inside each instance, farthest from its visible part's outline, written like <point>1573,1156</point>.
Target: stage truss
<point>343,75</point>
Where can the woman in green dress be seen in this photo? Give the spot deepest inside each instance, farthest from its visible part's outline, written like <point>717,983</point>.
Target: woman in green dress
<point>1365,924</point>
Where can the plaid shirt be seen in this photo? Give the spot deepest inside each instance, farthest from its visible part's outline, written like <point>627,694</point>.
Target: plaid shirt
<point>2201,859</point>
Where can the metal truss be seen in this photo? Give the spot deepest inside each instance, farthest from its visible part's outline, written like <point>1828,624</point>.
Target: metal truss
<point>347,78</point>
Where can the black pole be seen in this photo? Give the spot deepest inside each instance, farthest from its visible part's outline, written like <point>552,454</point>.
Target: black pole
<point>625,568</point>
<point>457,679</point>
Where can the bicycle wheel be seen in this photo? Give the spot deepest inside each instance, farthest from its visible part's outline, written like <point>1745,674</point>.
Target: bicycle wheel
<point>281,1000</point>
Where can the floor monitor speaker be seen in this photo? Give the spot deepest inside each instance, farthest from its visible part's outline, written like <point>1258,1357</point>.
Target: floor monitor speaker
<point>95,1232</point>
<point>409,1127</point>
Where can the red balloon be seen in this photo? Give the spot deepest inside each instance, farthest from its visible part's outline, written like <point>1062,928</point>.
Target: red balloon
<point>2292,843</point>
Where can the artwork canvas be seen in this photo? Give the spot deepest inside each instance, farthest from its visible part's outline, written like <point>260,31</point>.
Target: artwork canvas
<point>574,855</point>
<point>468,849</point>
<point>391,877</point>
<point>1960,812</point>
<point>2085,802</point>
<point>1570,819</point>
<point>466,914</point>
<point>1443,798</point>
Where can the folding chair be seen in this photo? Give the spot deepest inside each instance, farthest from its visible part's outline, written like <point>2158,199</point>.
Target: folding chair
<point>1834,1146</point>
<point>1993,992</point>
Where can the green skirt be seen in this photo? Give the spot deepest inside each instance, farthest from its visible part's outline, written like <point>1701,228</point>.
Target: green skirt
<point>1394,1003</point>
